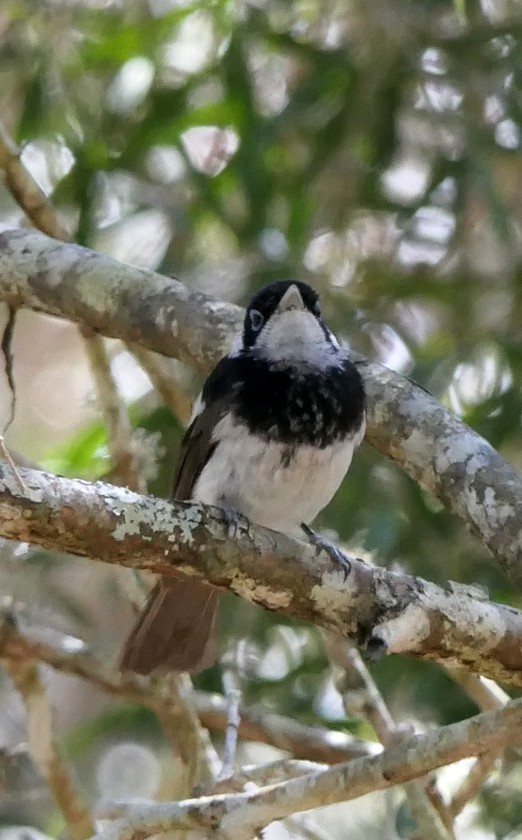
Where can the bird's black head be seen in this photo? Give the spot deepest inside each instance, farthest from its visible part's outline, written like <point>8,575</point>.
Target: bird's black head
<point>283,325</point>
<point>275,299</point>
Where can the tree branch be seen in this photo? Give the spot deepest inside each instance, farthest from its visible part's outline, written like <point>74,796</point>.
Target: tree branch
<point>44,749</point>
<point>307,742</point>
<point>385,610</point>
<point>238,816</point>
<point>360,694</point>
<point>117,300</point>
<point>120,434</point>
<point>404,422</point>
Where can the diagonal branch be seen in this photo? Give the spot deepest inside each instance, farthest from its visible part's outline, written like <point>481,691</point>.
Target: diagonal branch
<point>238,816</point>
<point>113,298</point>
<point>404,422</point>
<point>387,611</point>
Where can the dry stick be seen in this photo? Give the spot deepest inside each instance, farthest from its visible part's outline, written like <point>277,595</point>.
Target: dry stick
<point>266,774</point>
<point>27,192</point>
<point>471,785</point>
<point>233,720</point>
<point>306,742</point>
<point>120,435</point>
<point>8,457</point>
<point>313,743</point>
<point>483,691</point>
<point>196,748</point>
<point>181,725</point>
<point>259,775</point>
<point>323,745</point>
<point>238,816</point>
<point>433,822</point>
<point>272,773</point>
<point>44,749</point>
<point>160,371</point>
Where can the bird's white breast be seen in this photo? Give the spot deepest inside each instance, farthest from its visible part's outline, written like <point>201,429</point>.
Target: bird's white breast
<point>269,483</point>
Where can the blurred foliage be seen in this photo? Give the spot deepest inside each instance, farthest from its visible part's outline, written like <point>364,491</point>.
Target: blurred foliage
<point>371,148</point>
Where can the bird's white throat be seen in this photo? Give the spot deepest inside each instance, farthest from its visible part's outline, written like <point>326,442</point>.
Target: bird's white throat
<point>295,336</point>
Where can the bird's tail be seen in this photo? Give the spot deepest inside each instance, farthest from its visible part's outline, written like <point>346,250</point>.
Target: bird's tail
<point>174,630</point>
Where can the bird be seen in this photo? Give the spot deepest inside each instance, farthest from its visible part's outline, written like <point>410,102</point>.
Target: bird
<point>271,437</point>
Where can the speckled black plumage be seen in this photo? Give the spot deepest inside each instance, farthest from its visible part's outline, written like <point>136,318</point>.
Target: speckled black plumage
<point>287,405</point>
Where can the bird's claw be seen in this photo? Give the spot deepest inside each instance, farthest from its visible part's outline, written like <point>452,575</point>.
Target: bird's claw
<point>234,520</point>
<point>333,551</point>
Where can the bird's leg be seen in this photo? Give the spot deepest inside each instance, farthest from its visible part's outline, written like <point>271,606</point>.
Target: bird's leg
<point>333,551</point>
<point>234,519</point>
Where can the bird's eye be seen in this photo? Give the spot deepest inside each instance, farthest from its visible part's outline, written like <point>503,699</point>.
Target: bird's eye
<point>256,319</point>
<point>317,309</point>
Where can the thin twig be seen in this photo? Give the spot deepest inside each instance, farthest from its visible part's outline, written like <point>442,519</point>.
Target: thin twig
<point>193,740</point>
<point>265,774</point>
<point>433,821</point>
<point>44,749</point>
<point>483,691</point>
<point>470,786</point>
<point>233,698</point>
<point>306,742</point>
<point>27,192</point>
<point>120,436</point>
<point>7,457</point>
<point>161,373</point>
<point>170,697</point>
<point>259,775</point>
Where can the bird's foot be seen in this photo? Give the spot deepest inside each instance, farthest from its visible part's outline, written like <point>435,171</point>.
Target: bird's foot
<point>333,551</point>
<point>234,520</point>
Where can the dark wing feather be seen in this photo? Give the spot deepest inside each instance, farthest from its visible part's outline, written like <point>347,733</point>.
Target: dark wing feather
<point>173,630</point>
<point>197,445</point>
<point>175,627</point>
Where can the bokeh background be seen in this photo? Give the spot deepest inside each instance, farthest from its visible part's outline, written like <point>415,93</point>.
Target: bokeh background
<point>370,148</point>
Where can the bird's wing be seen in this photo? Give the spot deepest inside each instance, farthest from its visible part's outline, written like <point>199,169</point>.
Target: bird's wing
<point>198,444</point>
<point>174,630</point>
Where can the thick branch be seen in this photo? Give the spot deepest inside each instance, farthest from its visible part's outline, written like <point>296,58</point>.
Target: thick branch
<point>239,815</point>
<point>449,460</point>
<point>389,611</point>
<point>404,422</point>
<point>112,298</point>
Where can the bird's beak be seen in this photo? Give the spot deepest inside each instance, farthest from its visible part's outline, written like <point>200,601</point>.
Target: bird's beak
<point>291,300</point>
